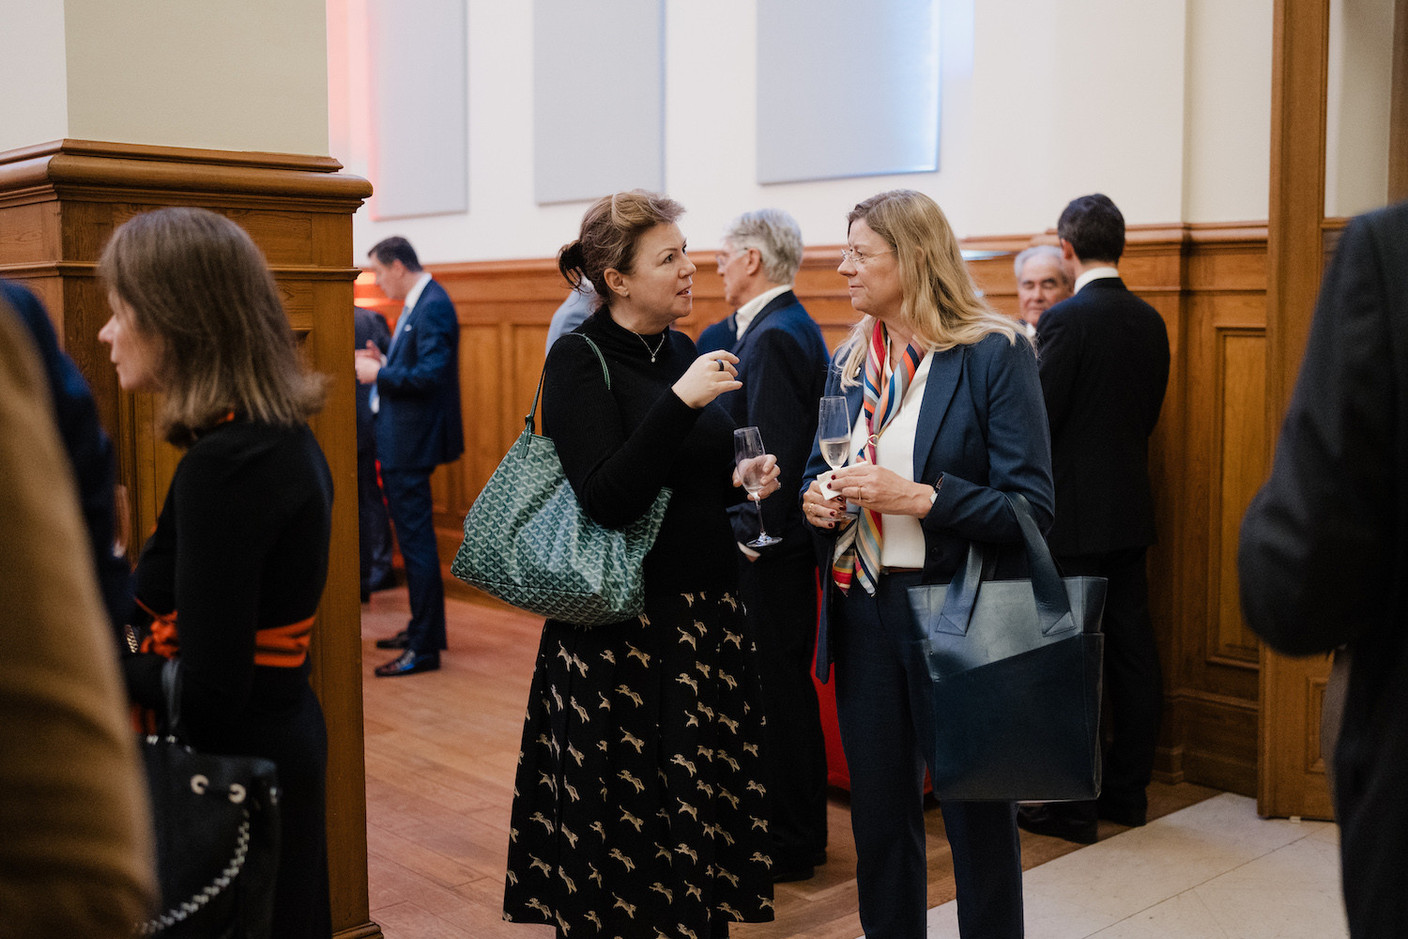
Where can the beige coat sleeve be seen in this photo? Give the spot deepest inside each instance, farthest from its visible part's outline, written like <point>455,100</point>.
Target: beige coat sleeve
<point>75,838</point>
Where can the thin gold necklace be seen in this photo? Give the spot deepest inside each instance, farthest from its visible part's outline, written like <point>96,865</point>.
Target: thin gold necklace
<point>653,352</point>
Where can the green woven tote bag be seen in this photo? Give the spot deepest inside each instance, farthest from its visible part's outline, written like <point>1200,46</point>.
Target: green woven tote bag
<point>528,542</point>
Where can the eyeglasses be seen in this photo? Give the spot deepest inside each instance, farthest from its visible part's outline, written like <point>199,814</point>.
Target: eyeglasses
<point>724,258</point>
<point>858,259</point>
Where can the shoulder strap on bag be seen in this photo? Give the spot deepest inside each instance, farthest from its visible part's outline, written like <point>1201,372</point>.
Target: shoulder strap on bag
<point>529,419</point>
<point>1052,603</point>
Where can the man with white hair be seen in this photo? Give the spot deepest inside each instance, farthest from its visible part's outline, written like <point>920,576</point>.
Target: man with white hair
<point>1042,281</point>
<point>782,362</point>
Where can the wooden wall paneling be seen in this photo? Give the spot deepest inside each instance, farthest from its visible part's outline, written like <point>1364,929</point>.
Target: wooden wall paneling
<point>1295,248</point>
<point>1398,107</point>
<point>59,203</point>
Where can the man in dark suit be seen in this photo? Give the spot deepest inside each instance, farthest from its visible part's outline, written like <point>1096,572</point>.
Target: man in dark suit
<point>1104,361</point>
<point>416,400</point>
<point>1324,550</point>
<point>374,527</point>
<point>782,362</point>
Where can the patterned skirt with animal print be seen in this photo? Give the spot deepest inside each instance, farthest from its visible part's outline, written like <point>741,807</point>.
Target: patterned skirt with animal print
<point>638,807</point>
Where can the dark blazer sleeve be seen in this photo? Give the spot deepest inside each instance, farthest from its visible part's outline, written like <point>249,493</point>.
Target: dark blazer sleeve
<point>1059,341</point>
<point>1318,552</point>
<point>435,332</point>
<point>785,373</point>
<point>1007,402</point>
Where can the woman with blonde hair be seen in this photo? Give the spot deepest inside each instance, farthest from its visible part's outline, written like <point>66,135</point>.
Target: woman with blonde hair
<point>947,417</point>
<point>231,579</point>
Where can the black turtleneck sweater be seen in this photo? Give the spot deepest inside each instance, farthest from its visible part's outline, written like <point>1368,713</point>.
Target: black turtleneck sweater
<point>618,447</point>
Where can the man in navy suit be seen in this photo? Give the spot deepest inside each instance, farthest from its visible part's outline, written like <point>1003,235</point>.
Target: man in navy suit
<point>1324,549</point>
<point>782,362</point>
<point>416,400</point>
<point>1104,361</point>
<point>374,527</point>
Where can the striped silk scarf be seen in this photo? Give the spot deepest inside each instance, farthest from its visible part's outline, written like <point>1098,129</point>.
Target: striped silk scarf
<point>857,555</point>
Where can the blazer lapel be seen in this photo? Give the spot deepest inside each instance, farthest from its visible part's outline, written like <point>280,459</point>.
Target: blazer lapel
<point>403,325</point>
<point>945,370</point>
<point>786,298</point>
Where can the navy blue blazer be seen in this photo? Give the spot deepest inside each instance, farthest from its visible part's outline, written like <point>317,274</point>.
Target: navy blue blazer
<point>418,425</point>
<point>782,363</point>
<point>720,335</point>
<point>983,427</point>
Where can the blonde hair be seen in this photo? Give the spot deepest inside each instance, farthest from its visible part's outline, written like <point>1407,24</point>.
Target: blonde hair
<point>200,289</point>
<point>941,308</point>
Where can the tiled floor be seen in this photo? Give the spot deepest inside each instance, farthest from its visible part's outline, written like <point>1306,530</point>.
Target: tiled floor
<point>1211,871</point>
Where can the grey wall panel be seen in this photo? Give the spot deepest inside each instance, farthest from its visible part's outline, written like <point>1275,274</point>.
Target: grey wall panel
<point>598,97</point>
<point>847,88</point>
<point>420,108</point>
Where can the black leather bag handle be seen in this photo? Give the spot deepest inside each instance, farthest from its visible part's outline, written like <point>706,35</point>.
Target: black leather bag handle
<point>1049,591</point>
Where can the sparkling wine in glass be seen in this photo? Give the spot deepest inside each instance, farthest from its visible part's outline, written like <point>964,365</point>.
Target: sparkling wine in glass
<point>834,430</point>
<point>749,456</point>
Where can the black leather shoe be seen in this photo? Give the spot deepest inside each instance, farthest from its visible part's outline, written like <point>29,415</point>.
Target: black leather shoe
<point>399,641</point>
<point>1075,823</point>
<point>787,876</point>
<point>408,663</point>
<point>1122,814</point>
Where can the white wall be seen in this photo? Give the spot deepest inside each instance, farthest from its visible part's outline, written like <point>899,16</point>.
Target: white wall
<point>1163,106</point>
<point>219,74</point>
<point>34,74</point>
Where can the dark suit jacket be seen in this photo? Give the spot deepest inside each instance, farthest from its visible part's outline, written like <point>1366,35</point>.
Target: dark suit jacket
<point>418,426</point>
<point>1324,550</point>
<point>1104,367</point>
<point>368,326</point>
<point>983,427</point>
<point>782,363</point>
<point>718,336</point>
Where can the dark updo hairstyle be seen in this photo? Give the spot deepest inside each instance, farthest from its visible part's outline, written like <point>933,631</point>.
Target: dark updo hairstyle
<point>610,230</point>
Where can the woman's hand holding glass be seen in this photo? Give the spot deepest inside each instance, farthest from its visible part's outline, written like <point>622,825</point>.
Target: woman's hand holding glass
<point>707,377</point>
<point>882,490</point>
<point>756,471</point>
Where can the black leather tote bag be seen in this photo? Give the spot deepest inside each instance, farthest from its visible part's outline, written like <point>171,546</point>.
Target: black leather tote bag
<point>1005,678</point>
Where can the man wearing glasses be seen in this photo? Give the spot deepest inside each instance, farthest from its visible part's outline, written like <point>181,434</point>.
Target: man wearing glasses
<point>782,362</point>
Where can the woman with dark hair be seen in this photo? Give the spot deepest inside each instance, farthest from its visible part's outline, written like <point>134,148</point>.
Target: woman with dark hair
<point>947,416</point>
<point>231,579</point>
<point>637,809</point>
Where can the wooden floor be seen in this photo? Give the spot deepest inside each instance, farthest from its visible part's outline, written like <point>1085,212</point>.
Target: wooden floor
<point>441,751</point>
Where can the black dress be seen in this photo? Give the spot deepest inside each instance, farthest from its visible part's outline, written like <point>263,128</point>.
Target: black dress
<point>638,808</point>
<point>241,547</point>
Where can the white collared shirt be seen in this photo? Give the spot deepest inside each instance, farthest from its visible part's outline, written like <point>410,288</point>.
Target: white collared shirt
<point>1095,273</point>
<point>746,313</point>
<point>412,298</point>
<point>902,536</point>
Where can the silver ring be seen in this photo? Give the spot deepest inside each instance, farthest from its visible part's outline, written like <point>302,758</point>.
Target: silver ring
<point>721,364</point>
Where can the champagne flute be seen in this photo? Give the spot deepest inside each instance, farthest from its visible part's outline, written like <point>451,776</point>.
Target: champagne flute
<point>748,455</point>
<point>833,429</point>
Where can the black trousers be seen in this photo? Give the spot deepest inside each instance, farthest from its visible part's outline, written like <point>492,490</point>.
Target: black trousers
<point>1133,679</point>
<point>408,498</point>
<point>779,592</point>
<point>878,732</point>
<point>373,525</point>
